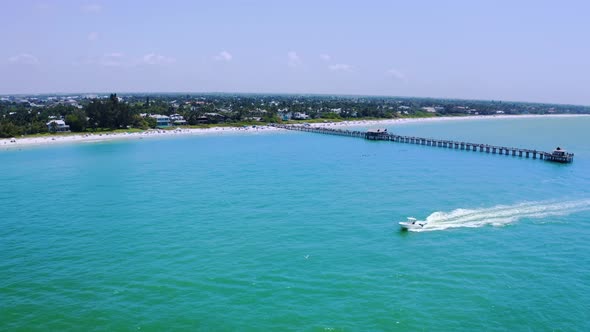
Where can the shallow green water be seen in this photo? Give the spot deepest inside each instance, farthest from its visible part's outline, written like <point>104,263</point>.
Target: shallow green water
<point>297,231</point>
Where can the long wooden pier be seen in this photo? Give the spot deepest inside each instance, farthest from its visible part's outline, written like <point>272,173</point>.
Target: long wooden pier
<point>557,155</point>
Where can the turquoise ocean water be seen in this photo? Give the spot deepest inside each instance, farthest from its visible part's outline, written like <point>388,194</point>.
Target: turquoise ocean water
<point>298,231</point>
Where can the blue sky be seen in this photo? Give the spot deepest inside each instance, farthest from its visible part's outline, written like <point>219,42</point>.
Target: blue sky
<point>501,50</point>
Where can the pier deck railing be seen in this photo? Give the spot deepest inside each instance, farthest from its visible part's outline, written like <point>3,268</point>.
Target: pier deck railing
<point>450,144</point>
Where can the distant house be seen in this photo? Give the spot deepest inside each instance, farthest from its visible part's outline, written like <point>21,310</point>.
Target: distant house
<point>57,126</point>
<point>253,118</point>
<point>429,109</point>
<point>285,115</point>
<point>161,120</point>
<point>300,116</point>
<point>177,119</point>
<point>211,118</point>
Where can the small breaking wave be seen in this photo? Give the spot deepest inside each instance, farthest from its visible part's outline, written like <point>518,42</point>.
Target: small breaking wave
<point>501,215</point>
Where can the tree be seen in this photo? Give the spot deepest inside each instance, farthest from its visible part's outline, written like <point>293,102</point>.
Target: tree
<point>77,120</point>
<point>9,129</point>
<point>53,126</point>
<point>143,123</point>
<point>109,114</point>
<point>93,111</point>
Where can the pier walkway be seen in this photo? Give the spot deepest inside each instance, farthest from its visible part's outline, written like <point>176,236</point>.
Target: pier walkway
<point>557,155</point>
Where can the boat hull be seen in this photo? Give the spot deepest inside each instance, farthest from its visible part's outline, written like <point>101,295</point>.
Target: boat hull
<point>410,226</point>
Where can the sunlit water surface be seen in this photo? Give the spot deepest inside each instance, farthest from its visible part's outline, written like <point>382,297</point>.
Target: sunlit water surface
<point>298,231</point>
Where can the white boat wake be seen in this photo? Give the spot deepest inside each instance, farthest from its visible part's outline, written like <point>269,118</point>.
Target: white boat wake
<point>501,215</point>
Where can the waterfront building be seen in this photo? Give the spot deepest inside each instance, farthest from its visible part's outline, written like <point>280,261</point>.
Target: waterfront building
<point>177,119</point>
<point>57,126</point>
<point>300,116</point>
<point>161,120</point>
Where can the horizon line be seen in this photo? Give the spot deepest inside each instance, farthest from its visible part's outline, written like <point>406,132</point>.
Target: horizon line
<point>293,94</point>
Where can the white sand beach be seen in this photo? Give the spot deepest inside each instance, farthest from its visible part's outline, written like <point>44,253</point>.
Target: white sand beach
<point>16,142</point>
<point>385,122</point>
<point>11,143</point>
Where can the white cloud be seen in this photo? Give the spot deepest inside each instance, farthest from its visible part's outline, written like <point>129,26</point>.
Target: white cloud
<point>24,59</point>
<point>157,59</point>
<point>293,60</point>
<point>92,8</point>
<point>93,36</point>
<point>340,67</point>
<point>223,56</point>
<point>325,57</point>
<point>396,74</point>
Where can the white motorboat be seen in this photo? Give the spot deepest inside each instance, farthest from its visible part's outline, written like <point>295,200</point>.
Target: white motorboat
<point>412,223</point>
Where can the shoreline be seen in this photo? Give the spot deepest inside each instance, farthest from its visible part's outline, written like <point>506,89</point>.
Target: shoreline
<point>443,118</point>
<point>9,144</point>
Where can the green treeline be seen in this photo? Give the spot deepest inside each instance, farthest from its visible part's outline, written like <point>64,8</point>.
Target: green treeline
<point>98,114</point>
<point>30,115</point>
